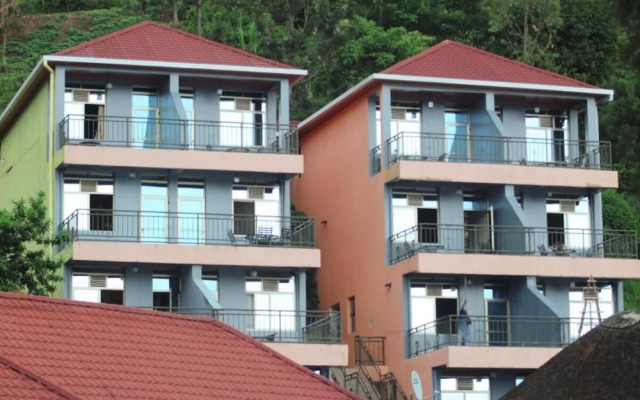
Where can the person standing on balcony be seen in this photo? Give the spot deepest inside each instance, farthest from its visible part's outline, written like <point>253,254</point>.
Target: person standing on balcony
<point>463,326</point>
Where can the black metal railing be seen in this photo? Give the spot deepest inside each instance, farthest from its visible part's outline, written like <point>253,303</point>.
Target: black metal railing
<point>487,239</point>
<point>189,228</point>
<point>301,326</point>
<point>160,133</point>
<point>370,350</point>
<point>499,150</point>
<point>368,360</point>
<point>509,331</point>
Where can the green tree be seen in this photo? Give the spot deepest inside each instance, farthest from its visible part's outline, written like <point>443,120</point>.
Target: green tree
<point>8,12</point>
<point>524,29</point>
<point>24,237</point>
<point>588,42</point>
<point>617,213</point>
<point>359,48</point>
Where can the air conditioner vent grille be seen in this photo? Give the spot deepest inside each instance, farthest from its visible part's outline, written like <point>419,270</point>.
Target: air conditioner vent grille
<point>81,96</point>
<point>255,193</point>
<point>269,285</point>
<point>546,121</point>
<point>243,104</point>
<point>398,113</point>
<point>88,185</point>
<point>98,281</point>
<point>415,200</point>
<point>434,290</point>
<point>567,206</point>
<point>464,383</point>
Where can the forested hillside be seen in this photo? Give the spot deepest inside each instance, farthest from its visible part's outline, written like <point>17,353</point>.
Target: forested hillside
<point>342,41</point>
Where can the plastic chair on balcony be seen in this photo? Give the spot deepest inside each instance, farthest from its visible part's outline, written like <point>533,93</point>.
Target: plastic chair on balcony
<point>232,237</point>
<point>542,249</point>
<point>408,249</point>
<point>285,237</point>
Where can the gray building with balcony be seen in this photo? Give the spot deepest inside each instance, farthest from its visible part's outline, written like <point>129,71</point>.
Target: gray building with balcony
<point>167,158</point>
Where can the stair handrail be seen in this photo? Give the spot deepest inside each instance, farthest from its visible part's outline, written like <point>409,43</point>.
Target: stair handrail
<point>389,377</point>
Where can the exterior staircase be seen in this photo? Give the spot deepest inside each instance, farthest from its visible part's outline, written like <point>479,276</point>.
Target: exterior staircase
<point>370,379</point>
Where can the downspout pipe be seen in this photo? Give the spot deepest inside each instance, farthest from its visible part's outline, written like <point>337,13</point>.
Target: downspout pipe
<point>51,132</point>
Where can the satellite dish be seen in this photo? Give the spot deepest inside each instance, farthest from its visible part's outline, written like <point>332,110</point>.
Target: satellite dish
<point>417,384</point>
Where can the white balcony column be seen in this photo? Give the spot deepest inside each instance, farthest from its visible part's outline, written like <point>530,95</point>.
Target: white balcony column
<point>591,120</point>
<point>385,121</point>
<point>193,293</point>
<point>596,212</point>
<point>285,185</point>
<point>574,150</point>
<point>301,290</point>
<point>301,300</point>
<point>618,290</point>
<point>284,102</point>
<point>58,107</point>
<point>490,102</point>
<point>432,122</point>
<point>138,286</point>
<point>272,105</point>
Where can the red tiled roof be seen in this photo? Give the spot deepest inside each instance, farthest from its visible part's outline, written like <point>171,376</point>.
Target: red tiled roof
<point>150,41</point>
<point>453,60</point>
<point>15,384</point>
<point>97,351</point>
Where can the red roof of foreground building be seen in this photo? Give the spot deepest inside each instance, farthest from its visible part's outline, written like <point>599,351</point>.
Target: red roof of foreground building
<point>97,351</point>
<point>453,60</point>
<point>17,384</point>
<point>150,41</point>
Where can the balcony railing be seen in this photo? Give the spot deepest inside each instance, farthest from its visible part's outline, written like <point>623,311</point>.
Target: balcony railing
<point>159,133</point>
<point>189,228</point>
<point>486,239</point>
<point>499,150</point>
<point>306,326</point>
<point>506,331</point>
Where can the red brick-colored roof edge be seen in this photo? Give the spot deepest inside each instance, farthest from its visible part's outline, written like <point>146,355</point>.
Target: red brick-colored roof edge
<point>218,324</point>
<point>554,77</point>
<point>145,24</point>
<point>37,379</point>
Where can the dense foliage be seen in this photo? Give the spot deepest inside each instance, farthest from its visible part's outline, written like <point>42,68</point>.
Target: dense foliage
<point>25,265</point>
<point>342,41</point>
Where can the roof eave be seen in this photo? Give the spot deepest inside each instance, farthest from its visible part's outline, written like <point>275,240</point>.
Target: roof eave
<point>10,110</point>
<point>292,73</point>
<point>601,94</point>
